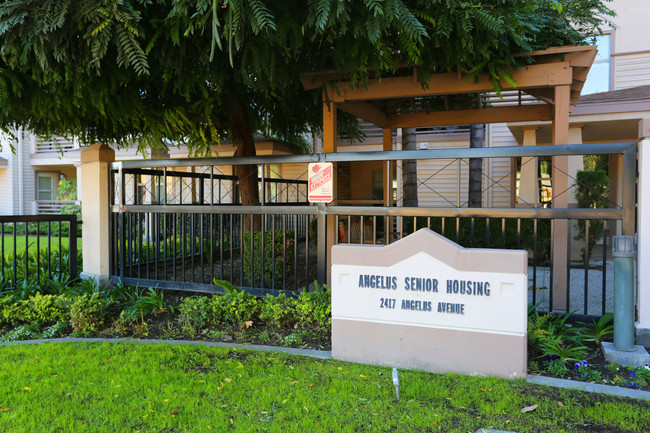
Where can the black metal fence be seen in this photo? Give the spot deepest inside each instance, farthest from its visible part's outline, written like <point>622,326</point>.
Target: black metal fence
<point>189,231</point>
<point>190,250</point>
<point>35,247</point>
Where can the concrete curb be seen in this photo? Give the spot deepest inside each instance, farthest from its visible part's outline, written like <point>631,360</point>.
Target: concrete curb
<point>589,387</point>
<point>325,354</point>
<point>319,354</point>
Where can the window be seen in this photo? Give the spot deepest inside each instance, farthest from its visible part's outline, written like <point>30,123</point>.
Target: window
<point>598,78</point>
<point>46,184</point>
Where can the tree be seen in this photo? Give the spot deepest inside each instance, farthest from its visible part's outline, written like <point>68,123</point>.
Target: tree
<point>195,71</point>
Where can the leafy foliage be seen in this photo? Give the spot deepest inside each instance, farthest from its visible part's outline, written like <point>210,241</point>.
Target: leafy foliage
<point>196,71</point>
<point>598,329</point>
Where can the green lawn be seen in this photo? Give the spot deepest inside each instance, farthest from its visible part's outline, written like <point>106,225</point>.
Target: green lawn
<point>77,387</point>
<point>20,243</point>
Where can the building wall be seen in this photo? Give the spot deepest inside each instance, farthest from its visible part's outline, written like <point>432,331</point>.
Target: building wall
<point>631,44</point>
<point>500,169</point>
<point>631,22</point>
<point>631,70</point>
<point>6,190</point>
<point>17,181</point>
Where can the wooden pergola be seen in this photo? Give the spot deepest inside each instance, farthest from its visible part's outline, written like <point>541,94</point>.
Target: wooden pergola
<point>546,90</point>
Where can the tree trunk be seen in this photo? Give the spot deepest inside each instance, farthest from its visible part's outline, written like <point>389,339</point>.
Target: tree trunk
<point>476,139</point>
<point>245,146</point>
<point>409,177</point>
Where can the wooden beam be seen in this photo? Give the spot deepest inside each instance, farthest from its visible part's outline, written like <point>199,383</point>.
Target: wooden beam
<point>367,112</point>
<point>544,75</point>
<point>483,115</point>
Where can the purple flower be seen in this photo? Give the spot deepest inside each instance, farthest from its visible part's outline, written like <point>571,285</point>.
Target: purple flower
<point>632,374</point>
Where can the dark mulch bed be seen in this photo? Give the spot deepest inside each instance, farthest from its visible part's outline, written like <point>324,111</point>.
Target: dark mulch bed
<point>597,370</point>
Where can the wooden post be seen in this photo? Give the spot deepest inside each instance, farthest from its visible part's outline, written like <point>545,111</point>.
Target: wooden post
<point>329,146</point>
<point>559,255</point>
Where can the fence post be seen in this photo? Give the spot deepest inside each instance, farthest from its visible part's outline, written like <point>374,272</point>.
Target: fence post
<point>95,212</point>
<point>72,247</point>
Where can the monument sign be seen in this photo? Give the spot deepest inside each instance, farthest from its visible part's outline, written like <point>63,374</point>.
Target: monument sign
<point>426,303</point>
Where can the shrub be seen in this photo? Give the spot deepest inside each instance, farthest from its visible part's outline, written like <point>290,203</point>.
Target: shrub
<point>314,309</point>
<point>46,309</point>
<point>275,256</point>
<point>193,315</point>
<point>87,314</point>
<point>11,312</point>
<point>234,308</point>
<point>278,311</point>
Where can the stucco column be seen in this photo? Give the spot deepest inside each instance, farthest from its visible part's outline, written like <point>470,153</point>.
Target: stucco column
<point>95,211</point>
<point>528,176</point>
<point>643,235</point>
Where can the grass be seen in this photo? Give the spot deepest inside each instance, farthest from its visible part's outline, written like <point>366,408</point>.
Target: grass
<point>20,243</point>
<point>79,387</point>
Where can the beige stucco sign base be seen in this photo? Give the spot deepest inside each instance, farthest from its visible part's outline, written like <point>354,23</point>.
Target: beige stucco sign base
<point>426,303</point>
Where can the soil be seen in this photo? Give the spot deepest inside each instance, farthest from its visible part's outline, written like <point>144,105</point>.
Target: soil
<point>604,372</point>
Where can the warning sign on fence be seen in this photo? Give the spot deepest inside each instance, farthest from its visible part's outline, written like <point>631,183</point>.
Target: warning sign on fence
<point>321,181</point>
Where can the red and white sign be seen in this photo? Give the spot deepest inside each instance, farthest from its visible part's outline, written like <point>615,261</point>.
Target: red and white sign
<point>321,181</point>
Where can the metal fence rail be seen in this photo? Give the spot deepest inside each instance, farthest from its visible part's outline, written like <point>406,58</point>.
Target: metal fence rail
<point>31,248</point>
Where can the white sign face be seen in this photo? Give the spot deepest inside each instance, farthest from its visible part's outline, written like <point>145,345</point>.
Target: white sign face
<point>321,181</point>
<point>423,291</point>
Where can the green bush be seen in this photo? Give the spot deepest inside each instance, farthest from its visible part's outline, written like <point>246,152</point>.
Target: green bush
<point>11,311</point>
<point>87,314</point>
<point>46,309</point>
<point>193,314</point>
<point>275,255</point>
<point>278,311</point>
<point>314,309</point>
<point>234,308</point>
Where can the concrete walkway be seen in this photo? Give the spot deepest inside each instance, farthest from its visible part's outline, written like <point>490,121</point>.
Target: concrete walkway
<point>325,354</point>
